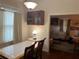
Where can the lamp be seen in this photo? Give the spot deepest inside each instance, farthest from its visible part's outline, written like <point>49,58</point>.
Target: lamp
<point>30,5</point>
<point>34,34</point>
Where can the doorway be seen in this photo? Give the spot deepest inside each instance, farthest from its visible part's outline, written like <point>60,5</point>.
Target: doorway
<point>60,33</point>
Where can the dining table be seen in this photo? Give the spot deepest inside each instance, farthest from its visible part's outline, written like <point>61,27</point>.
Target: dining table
<point>15,51</point>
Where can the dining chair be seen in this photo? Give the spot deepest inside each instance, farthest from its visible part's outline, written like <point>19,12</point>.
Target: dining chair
<point>29,51</point>
<point>2,57</point>
<point>38,49</point>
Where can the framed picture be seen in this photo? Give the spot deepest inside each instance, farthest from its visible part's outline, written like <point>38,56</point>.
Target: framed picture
<point>35,18</point>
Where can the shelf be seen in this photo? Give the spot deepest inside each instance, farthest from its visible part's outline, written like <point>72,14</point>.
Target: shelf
<point>74,27</point>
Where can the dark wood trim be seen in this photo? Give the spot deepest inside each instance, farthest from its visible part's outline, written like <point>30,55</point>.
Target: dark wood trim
<point>2,57</point>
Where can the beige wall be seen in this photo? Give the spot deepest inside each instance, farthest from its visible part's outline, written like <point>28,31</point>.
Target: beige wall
<point>74,20</point>
<point>53,7</point>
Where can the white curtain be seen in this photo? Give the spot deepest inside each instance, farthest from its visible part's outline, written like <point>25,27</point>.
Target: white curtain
<point>1,26</point>
<point>17,27</point>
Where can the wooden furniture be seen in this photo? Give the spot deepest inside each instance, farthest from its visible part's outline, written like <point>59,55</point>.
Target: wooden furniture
<point>15,51</point>
<point>75,42</point>
<point>35,18</point>
<point>38,49</point>
<point>29,52</point>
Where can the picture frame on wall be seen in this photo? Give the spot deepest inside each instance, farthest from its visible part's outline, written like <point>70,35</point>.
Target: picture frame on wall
<point>35,18</point>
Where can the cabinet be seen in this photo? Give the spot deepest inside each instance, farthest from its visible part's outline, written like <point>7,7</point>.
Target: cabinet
<point>35,18</point>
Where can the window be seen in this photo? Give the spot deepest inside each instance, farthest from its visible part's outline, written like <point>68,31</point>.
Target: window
<point>8,26</point>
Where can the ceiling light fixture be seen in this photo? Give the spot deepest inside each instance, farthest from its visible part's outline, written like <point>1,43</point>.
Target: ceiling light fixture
<point>30,5</point>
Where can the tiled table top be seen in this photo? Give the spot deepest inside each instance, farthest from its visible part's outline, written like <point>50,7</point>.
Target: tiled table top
<point>16,50</point>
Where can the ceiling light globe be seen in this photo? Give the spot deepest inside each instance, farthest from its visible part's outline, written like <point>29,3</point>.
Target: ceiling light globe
<point>30,5</point>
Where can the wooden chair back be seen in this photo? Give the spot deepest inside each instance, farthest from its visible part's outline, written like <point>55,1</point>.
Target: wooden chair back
<point>39,48</point>
<point>29,51</point>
